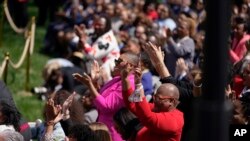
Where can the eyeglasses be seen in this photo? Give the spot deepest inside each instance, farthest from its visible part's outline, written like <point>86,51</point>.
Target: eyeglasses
<point>163,98</point>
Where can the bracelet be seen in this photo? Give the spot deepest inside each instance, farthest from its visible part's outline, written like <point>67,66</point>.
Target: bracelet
<point>196,85</point>
<point>138,85</point>
<point>49,123</point>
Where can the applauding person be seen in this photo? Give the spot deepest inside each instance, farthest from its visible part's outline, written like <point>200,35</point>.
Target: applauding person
<point>108,100</point>
<point>161,119</point>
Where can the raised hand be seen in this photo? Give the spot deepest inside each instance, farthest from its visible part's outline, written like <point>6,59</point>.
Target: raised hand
<point>181,66</point>
<point>230,93</point>
<point>169,33</point>
<point>85,79</point>
<point>80,32</point>
<point>155,53</point>
<point>67,103</point>
<point>51,110</point>
<point>126,71</point>
<point>138,94</point>
<point>138,75</point>
<point>95,71</point>
<point>157,58</point>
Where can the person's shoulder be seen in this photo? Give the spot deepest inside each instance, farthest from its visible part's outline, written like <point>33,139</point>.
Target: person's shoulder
<point>177,112</point>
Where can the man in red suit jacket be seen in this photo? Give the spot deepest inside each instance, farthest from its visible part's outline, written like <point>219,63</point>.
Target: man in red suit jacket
<point>161,120</point>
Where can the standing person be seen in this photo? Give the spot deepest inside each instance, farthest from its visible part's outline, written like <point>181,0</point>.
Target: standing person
<point>188,90</point>
<point>108,100</point>
<point>238,49</point>
<point>161,120</point>
<point>102,46</point>
<point>183,47</point>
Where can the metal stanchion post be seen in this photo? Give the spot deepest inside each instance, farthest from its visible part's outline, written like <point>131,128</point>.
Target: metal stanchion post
<point>27,69</point>
<point>5,73</point>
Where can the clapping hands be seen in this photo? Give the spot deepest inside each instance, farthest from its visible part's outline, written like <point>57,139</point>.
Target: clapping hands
<point>155,53</point>
<point>53,112</point>
<point>85,79</point>
<point>80,32</point>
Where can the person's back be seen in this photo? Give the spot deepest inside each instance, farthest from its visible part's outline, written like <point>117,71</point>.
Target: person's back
<point>7,97</point>
<point>10,135</point>
<point>169,129</point>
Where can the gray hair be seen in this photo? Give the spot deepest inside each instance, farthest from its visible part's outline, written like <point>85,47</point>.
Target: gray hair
<point>133,58</point>
<point>10,135</point>
<point>246,62</point>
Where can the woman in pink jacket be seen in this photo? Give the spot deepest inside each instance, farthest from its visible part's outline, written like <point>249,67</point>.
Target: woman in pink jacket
<point>239,49</point>
<point>108,100</point>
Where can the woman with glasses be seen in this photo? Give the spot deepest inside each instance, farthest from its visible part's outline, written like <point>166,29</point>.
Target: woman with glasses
<point>108,100</point>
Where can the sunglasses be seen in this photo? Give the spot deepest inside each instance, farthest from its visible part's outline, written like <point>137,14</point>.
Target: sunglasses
<point>118,61</point>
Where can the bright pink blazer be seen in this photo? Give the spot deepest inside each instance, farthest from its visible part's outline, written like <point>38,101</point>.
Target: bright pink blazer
<point>109,102</point>
<point>238,50</point>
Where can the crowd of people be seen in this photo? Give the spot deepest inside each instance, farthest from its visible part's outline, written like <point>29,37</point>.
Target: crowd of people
<point>129,70</point>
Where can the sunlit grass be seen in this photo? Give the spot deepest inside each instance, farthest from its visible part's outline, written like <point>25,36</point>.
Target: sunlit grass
<point>29,105</point>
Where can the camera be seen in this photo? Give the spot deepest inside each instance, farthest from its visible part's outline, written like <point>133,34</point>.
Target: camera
<point>39,90</point>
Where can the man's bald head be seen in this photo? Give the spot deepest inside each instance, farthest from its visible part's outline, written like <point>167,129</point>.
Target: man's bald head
<point>166,98</point>
<point>168,89</point>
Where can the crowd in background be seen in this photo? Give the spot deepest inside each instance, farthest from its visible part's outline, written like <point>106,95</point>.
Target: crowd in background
<point>129,69</point>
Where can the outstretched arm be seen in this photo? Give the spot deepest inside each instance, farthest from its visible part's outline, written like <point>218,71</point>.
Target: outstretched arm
<point>157,58</point>
<point>127,89</point>
<point>154,121</point>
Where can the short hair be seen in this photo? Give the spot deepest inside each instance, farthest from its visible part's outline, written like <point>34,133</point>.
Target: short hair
<point>13,116</point>
<point>98,126</point>
<point>127,122</point>
<point>10,135</point>
<point>101,131</point>
<point>145,59</point>
<point>241,20</point>
<point>80,132</point>
<point>133,58</point>
<point>245,64</point>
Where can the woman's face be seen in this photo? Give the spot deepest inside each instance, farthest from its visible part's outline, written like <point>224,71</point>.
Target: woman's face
<point>87,101</point>
<point>120,63</point>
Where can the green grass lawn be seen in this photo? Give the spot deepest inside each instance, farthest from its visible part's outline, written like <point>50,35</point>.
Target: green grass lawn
<point>29,105</point>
